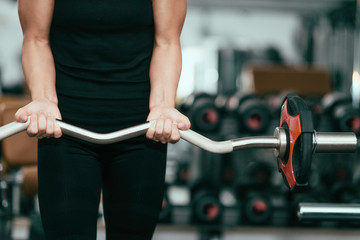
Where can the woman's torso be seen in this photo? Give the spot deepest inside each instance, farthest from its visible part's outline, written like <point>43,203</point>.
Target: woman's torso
<point>102,48</point>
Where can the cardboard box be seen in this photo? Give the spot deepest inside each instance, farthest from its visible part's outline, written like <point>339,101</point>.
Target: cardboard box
<point>275,79</point>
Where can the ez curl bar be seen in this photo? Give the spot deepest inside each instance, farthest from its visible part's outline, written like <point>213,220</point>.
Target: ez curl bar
<point>294,141</point>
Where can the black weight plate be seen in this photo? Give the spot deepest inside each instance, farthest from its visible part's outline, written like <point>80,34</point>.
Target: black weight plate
<point>303,149</point>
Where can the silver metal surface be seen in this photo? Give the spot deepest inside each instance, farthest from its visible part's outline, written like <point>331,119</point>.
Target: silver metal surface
<point>13,128</point>
<point>255,142</point>
<point>104,138</point>
<point>279,133</point>
<point>335,142</point>
<point>325,142</point>
<point>205,143</point>
<point>328,211</point>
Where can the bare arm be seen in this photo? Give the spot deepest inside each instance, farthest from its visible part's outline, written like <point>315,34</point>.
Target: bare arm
<point>169,16</point>
<point>39,70</point>
<point>165,68</point>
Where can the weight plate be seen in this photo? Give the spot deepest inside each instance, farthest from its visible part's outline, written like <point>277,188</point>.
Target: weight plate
<point>296,164</point>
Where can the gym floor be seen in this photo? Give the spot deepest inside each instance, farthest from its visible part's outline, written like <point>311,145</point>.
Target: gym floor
<point>165,232</point>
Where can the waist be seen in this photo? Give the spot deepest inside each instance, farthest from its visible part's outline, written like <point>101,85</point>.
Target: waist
<point>103,84</point>
<point>103,115</point>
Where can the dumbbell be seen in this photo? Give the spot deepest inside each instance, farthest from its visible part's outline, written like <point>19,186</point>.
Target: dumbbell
<point>182,173</point>
<point>329,212</point>
<point>274,102</point>
<point>252,114</point>
<point>344,116</point>
<point>296,198</point>
<point>202,112</point>
<point>257,208</point>
<point>259,173</point>
<point>206,205</point>
<point>293,142</point>
<point>314,102</point>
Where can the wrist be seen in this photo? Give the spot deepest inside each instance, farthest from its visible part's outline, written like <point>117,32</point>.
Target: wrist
<point>52,99</point>
<point>161,100</point>
<point>161,104</point>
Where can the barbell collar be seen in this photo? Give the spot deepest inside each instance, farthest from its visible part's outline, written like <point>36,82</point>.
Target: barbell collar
<point>280,135</point>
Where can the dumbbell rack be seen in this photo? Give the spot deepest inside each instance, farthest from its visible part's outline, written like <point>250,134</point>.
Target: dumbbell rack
<point>282,142</point>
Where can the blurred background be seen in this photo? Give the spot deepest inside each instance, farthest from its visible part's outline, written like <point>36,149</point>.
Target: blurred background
<point>240,59</point>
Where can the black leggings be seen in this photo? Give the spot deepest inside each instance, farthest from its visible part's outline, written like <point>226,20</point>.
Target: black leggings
<point>72,174</point>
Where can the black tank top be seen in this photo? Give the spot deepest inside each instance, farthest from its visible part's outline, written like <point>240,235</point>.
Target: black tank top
<point>102,48</point>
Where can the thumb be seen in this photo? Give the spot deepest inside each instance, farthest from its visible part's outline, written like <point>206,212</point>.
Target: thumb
<point>21,115</point>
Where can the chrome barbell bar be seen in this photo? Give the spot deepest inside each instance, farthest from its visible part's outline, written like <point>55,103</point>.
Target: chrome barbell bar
<point>322,141</point>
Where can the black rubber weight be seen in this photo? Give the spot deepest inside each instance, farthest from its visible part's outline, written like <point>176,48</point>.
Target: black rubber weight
<point>302,153</point>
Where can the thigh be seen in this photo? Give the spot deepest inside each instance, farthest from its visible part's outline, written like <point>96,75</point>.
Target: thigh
<point>69,189</point>
<point>133,187</point>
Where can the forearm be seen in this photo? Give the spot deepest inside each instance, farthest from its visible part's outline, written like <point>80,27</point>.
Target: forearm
<point>39,69</point>
<point>165,71</point>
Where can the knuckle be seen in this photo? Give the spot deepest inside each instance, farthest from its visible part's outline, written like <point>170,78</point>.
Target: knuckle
<point>32,132</point>
<point>175,138</point>
<point>57,134</point>
<point>57,131</point>
<point>41,129</point>
<point>49,132</point>
<point>167,133</point>
<point>158,132</point>
<point>150,135</point>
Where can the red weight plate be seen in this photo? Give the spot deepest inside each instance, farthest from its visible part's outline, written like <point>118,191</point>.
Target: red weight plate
<point>294,125</point>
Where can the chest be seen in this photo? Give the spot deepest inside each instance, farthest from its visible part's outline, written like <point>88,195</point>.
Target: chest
<point>103,13</point>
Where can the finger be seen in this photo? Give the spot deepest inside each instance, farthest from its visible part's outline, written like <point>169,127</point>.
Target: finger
<point>32,130</point>
<point>151,131</point>
<point>184,123</point>
<point>41,124</point>
<point>167,130</point>
<point>159,129</point>
<point>175,135</point>
<point>49,126</point>
<point>57,130</point>
<point>21,115</point>
<point>187,123</point>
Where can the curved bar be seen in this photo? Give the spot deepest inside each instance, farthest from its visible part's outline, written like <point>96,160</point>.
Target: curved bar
<point>104,138</point>
<point>255,142</point>
<point>188,135</point>
<point>328,211</point>
<point>13,128</point>
<point>205,143</point>
<point>325,142</point>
